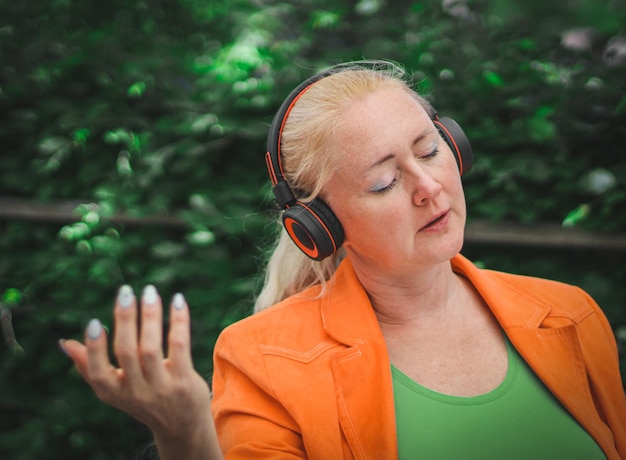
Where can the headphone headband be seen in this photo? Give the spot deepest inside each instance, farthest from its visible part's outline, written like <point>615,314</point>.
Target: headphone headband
<point>273,159</point>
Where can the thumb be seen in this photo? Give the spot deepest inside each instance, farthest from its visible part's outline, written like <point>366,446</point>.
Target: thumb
<point>77,352</point>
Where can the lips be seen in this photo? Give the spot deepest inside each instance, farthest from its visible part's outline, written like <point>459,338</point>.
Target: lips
<point>436,221</point>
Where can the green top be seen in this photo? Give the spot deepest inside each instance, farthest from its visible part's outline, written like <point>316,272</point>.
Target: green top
<point>518,420</point>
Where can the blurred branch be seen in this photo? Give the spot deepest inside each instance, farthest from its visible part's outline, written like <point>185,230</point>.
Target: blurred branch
<point>541,235</point>
<point>64,212</point>
<point>477,232</point>
<point>6,325</point>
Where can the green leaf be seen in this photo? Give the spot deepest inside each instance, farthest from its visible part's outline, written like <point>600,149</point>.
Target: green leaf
<point>493,79</point>
<point>136,89</point>
<point>11,296</point>
<point>577,215</point>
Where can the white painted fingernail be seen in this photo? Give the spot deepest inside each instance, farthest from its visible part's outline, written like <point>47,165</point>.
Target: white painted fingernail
<point>62,346</point>
<point>94,329</point>
<point>149,295</point>
<point>178,301</point>
<point>125,296</point>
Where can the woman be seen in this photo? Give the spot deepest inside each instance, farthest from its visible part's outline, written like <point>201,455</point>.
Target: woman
<point>381,341</point>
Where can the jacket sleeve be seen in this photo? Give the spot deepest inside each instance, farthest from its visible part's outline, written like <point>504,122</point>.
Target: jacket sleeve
<point>602,362</point>
<point>251,423</point>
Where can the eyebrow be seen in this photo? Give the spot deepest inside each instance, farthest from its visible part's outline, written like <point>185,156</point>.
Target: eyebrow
<point>388,157</point>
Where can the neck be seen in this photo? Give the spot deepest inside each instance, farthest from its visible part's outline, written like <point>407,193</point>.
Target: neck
<point>402,300</point>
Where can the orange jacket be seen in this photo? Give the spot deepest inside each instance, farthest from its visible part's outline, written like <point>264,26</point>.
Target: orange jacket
<point>310,376</point>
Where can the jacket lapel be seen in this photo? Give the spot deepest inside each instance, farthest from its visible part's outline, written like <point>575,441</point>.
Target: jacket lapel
<point>365,401</point>
<point>556,358</point>
<point>550,346</point>
<point>361,371</point>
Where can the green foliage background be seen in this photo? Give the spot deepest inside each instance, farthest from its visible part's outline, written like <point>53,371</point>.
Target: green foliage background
<point>161,108</point>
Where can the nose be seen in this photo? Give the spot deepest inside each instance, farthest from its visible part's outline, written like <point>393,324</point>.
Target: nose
<point>425,186</point>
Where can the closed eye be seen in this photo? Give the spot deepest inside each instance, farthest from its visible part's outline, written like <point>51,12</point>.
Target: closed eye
<point>432,154</point>
<point>384,188</point>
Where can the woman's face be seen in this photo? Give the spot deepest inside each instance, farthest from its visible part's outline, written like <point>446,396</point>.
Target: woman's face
<point>396,188</point>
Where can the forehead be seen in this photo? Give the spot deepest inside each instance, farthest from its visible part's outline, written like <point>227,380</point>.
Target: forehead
<point>378,124</point>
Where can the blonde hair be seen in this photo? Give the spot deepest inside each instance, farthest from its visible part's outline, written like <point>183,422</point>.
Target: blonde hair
<point>306,154</point>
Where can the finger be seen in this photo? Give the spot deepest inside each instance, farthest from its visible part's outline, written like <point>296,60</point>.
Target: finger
<point>125,336</point>
<point>77,352</point>
<point>99,372</point>
<point>179,337</point>
<point>151,335</point>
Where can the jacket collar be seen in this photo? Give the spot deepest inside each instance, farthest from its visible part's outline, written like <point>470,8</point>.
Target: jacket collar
<point>348,322</point>
<point>347,312</point>
<point>498,292</point>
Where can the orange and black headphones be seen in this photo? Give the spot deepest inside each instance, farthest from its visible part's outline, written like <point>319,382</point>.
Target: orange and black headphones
<point>312,225</point>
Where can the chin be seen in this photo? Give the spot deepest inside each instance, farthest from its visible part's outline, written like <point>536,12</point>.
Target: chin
<point>446,251</point>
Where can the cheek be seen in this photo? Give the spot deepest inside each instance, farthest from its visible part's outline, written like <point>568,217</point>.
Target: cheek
<point>367,224</point>
<point>452,182</point>
<point>458,190</point>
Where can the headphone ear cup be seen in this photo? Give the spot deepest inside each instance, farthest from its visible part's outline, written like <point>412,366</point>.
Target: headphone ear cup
<point>313,228</point>
<point>457,141</point>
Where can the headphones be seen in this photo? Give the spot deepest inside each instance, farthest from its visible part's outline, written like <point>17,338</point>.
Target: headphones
<point>312,225</point>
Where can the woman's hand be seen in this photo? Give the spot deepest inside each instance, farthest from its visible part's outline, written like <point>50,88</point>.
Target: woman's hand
<point>164,393</point>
